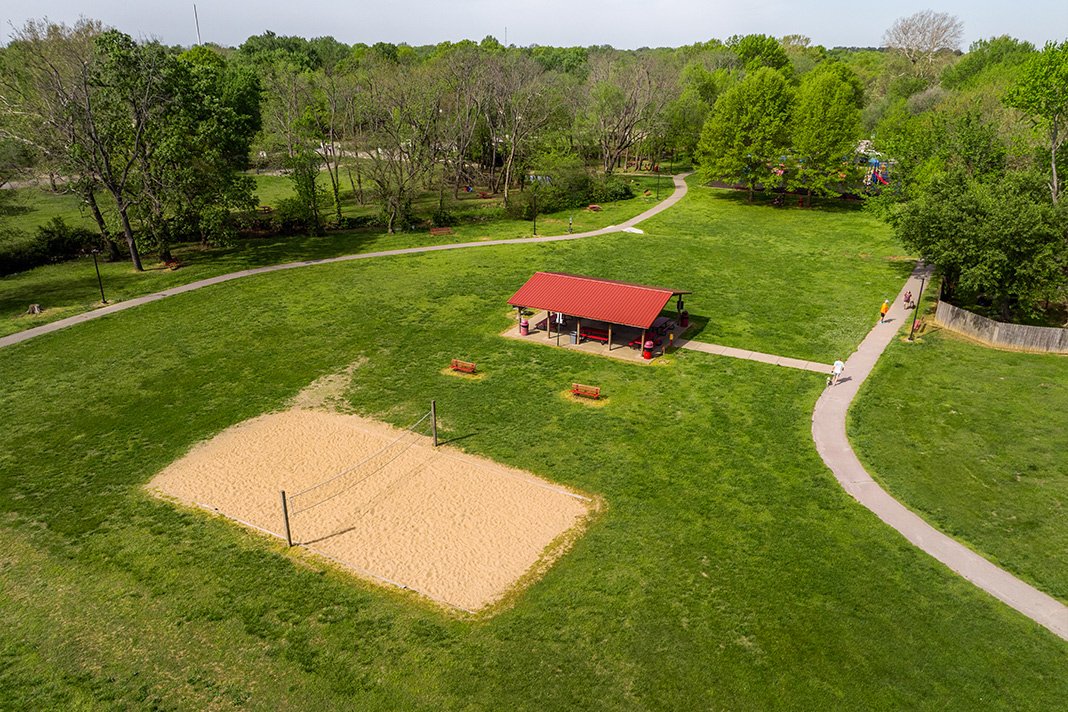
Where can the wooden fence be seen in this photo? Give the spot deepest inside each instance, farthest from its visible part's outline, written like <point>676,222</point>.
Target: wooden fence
<point>1012,336</point>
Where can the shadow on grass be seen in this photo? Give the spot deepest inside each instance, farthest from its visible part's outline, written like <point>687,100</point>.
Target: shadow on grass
<point>698,324</point>
<point>767,201</point>
<point>456,439</point>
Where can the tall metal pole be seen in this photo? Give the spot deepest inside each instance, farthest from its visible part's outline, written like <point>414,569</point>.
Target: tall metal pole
<point>434,421</point>
<point>98,280</point>
<point>285,516</point>
<point>916,309</point>
<point>197,20</point>
<point>535,211</point>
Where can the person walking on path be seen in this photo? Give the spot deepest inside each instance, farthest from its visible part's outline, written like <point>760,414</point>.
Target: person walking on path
<point>883,309</point>
<point>908,300</point>
<point>836,371</point>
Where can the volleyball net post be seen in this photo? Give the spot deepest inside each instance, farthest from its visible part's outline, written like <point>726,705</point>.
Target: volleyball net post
<point>434,421</point>
<point>285,517</point>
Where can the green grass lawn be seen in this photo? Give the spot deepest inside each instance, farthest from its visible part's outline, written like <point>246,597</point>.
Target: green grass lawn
<point>35,207</point>
<point>469,208</point>
<point>805,283</point>
<point>973,439</point>
<point>798,283</point>
<point>727,571</point>
<point>71,288</point>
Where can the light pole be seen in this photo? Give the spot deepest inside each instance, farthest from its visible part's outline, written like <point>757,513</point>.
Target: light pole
<point>98,280</point>
<point>657,169</point>
<point>916,309</point>
<point>535,209</point>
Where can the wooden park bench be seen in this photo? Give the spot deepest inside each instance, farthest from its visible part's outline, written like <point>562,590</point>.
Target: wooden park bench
<point>485,195</point>
<point>465,366</point>
<point>173,264</point>
<point>588,391</point>
<point>594,208</point>
<point>265,209</point>
<point>591,333</point>
<point>439,231</point>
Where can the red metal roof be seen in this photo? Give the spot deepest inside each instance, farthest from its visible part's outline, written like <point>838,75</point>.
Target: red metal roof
<point>591,298</point>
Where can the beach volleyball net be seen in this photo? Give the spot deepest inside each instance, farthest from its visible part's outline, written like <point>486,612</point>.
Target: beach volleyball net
<point>333,490</point>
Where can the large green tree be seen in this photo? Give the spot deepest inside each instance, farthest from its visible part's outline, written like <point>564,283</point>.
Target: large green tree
<point>82,97</point>
<point>746,137</point>
<point>825,128</point>
<point>999,238</point>
<point>626,96</point>
<point>195,149</point>
<point>756,51</point>
<point>403,116</point>
<point>1042,94</point>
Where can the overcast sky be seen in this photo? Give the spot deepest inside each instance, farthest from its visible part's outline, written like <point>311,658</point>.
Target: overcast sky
<point>624,24</point>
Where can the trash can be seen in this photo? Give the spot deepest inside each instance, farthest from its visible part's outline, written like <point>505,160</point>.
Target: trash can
<point>685,316</point>
<point>647,350</point>
<point>524,326</point>
<point>574,337</point>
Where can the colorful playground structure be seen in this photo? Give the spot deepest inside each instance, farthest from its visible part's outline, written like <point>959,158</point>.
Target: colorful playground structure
<point>877,174</point>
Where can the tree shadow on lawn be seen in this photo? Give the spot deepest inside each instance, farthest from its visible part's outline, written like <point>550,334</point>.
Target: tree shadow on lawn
<point>698,324</point>
<point>767,201</point>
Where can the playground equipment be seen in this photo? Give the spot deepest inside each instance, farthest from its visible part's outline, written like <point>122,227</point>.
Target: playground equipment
<point>877,173</point>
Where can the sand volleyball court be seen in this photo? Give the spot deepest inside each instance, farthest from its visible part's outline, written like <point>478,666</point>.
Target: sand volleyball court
<point>458,528</point>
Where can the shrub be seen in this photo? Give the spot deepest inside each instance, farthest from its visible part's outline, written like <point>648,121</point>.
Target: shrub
<point>352,223</point>
<point>616,189</point>
<point>292,215</point>
<point>19,251</point>
<point>568,187</point>
<point>550,199</point>
<point>443,218</point>
<point>52,243</point>
<point>60,242</point>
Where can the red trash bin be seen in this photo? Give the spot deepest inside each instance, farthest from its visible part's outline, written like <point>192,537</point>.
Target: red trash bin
<point>647,350</point>
<point>684,319</point>
<point>524,327</point>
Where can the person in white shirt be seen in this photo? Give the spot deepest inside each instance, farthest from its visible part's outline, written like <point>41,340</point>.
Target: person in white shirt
<point>836,370</point>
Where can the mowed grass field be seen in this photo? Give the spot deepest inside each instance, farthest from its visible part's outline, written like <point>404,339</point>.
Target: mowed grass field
<point>727,571</point>
<point>71,288</point>
<point>974,440</point>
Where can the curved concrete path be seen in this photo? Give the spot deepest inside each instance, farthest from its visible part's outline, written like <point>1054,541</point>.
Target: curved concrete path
<point>676,196</point>
<point>829,432</point>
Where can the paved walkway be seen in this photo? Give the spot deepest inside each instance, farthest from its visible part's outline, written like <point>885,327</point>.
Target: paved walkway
<point>828,430</point>
<point>753,356</point>
<point>676,196</point>
<point>828,419</point>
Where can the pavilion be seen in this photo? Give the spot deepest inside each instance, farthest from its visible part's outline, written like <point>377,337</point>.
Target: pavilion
<point>590,308</point>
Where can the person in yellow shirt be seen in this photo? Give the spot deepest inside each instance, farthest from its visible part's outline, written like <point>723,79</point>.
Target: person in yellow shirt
<point>883,309</point>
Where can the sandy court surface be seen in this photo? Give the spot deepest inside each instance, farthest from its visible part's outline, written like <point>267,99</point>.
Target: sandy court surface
<point>455,527</point>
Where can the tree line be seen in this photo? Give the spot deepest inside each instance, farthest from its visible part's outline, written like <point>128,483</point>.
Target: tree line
<point>167,134</point>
